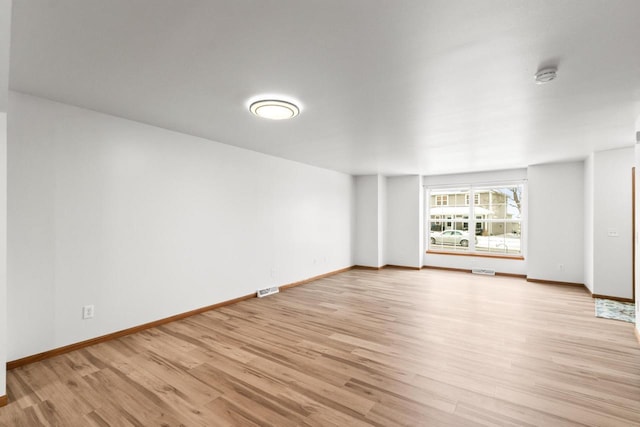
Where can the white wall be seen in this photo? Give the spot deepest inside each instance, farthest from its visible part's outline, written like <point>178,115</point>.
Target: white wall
<point>3,252</point>
<point>404,241</point>
<point>382,220</point>
<point>5,35</point>
<point>371,220</point>
<point>5,44</point>
<point>607,207</point>
<point>510,266</point>
<point>637,219</point>
<point>588,222</point>
<point>366,236</point>
<point>556,222</point>
<point>612,215</point>
<point>475,178</point>
<point>145,223</point>
<point>507,266</point>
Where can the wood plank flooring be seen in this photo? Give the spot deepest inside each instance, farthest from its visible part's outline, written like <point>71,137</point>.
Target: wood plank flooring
<point>382,348</point>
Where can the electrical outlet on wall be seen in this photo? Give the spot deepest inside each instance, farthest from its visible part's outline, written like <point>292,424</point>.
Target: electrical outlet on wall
<point>88,312</point>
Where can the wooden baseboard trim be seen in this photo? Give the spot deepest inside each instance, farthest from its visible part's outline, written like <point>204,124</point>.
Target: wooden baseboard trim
<point>436,267</point>
<point>314,278</point>
<point>517,276</point>
<point>3,401</point>
<point>366,267</point>
<point>554,282</point>
<point>382,267</point>
<point>620,299</point>
<point>465,270</point>
<point>402,267</point>
<point>114,335</point>
<point>476,254</point>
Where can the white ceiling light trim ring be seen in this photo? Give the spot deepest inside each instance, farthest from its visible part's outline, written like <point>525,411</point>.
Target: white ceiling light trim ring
<point>274,109</point>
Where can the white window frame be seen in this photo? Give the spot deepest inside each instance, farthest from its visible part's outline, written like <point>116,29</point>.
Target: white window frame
<point>474,190</point>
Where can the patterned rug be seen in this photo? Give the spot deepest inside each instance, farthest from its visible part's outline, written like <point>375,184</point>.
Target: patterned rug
<point>616,310</point>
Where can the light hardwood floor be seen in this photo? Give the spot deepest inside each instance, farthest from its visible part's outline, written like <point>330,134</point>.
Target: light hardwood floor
<point>384,348</point>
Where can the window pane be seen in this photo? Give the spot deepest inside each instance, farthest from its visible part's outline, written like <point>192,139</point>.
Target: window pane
<point>491,218</point>
<point>504,202</point>
<point>448,235</point>
<point>500,237</point>
<point>449,219</point>
<point>450,203</point>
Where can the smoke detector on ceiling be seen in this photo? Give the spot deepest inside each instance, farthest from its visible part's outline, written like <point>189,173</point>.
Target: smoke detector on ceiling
<point>546,75</point>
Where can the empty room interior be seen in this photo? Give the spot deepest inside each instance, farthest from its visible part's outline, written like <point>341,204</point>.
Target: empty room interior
<point>319,213</point>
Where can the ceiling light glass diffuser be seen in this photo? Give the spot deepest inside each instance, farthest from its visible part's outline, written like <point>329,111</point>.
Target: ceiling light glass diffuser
<point>274,109</point>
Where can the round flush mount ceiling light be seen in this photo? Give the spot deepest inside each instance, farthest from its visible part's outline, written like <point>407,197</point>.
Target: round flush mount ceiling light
<point>546,75</point>
<point>274,109</point>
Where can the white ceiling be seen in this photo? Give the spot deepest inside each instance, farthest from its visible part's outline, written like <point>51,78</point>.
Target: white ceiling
<point>391,87</point>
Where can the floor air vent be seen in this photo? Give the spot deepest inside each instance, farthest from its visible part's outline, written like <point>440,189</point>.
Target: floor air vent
<point>267,291</point>
<point>485,271</point>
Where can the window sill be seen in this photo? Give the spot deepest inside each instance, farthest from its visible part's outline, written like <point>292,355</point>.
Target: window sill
<point>478,255</point>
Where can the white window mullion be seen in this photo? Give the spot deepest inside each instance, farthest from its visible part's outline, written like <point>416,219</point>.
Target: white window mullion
<point>472,221</point>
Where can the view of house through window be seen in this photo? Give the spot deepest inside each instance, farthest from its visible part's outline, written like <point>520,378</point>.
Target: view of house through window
<point>492,224</point>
